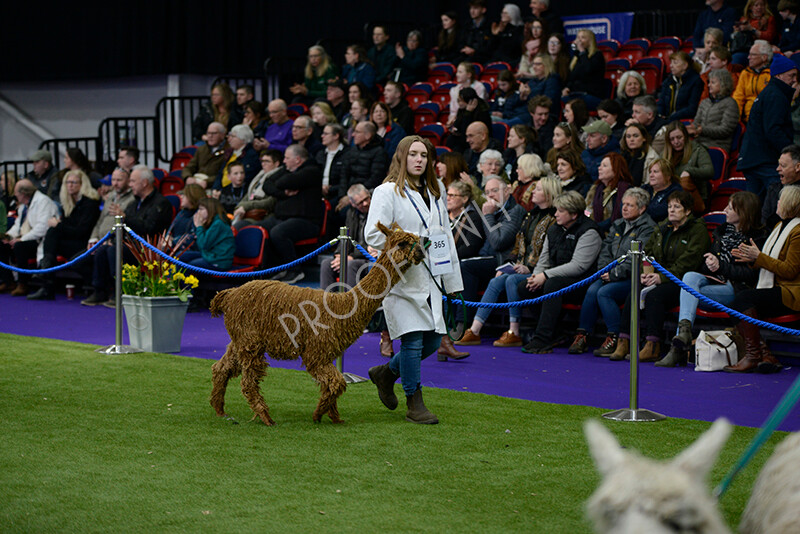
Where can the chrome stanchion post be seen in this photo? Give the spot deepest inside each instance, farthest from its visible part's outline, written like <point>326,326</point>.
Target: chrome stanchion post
<point>633,412</point>
<point>118,347</point>
<point>350,378</point>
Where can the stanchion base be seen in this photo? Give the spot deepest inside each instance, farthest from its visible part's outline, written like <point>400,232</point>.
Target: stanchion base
<point>626,414</point>
<point>350,378</point>
<point>118,349</point>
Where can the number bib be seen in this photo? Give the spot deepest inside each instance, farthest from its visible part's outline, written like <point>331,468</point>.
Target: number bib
<point>439,257</point>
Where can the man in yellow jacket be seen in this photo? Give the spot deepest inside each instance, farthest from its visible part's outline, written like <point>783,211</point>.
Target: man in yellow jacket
<point>754,78</point>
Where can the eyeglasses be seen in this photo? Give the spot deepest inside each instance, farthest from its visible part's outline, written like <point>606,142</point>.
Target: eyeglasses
<point>266,160</point>
<point>453,195</point>
<point>72,182</point>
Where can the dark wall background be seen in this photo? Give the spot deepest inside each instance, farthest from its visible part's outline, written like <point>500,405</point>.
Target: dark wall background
<point>49,41</point>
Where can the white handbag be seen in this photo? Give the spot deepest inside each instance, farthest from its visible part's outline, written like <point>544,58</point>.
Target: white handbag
<point>714,350</point>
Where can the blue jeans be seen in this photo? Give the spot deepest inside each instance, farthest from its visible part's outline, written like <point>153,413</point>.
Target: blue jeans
<point>722,293</point>
<point>498,284</point>
<point>414,347</point>
<point>605,298</point>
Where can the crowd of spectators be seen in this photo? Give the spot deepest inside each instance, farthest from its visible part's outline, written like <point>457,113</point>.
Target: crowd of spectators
<point>581,171</point>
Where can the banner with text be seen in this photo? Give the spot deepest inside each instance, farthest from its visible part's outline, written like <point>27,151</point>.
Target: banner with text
<point>604,25</point>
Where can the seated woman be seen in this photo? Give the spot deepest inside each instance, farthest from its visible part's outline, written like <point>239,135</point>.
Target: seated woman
<point>322,115</point>
<point>718,115</point>
<point>758,22</point>
<point>255,119</point>
<point>680,93</point>
<point>630,87</point>
<point>233,193</point>
<point>568,255</point>
<point>76,160</point>
<point>587,72</point>
<point>530,169</point>
<point>576,114</point>
<point>530,49</point>
<point>635,148</point>
<point>319,69</point>
<point>607,294</point>
<point>611,112</point>
<point>256,204</point>
<point>660,186</point>
<point>543,81</point>
<point>390,131</point>
<point>465,78</point>
<point>413,60</point>
<point>69,235</point>
<point>530,240</point>
<point>691,162</point>
<point>604,199</point>
<point>521,140</point>
<point>182,223</point>
<point>712,37</point>
<point>507,106</point>
<point>447,49</point>
<point>558,50</point>
<point>720,277</point>
<point>358,68</point>
<point>778,283</point>
<point>565,139</point>
<point>215,242</point>
<point>219,108</point>
<point>506,36</point>
<point>471,108</point>
<point>572,173</point>
<point>678,244</point>
<point>490,164</point>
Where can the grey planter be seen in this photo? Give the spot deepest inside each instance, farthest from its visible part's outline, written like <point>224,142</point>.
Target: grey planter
<point>155,324</point>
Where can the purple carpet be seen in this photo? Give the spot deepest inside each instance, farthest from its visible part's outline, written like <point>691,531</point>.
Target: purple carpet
<point>558,378</point>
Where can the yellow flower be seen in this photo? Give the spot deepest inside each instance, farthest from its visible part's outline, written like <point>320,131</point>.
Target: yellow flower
<point>150,266</point>
<point>192,281</point>
<point>162,281</point>
<point>179,276</point>
<point>165,265</point>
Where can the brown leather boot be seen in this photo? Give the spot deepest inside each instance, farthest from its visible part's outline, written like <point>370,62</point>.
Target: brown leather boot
<point>623,350</point>
<point>769,364</point>
<point>5,287</point>
<point>448,350</point>
<point>417,412</point>
<point>650,352</point>
<point>387,349</point>
<point>752,344</point>
<point>383,377</point>
<point>20,291</point>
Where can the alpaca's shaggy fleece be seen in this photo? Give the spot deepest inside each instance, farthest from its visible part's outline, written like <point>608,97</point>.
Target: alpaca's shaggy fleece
<point>289,322</point>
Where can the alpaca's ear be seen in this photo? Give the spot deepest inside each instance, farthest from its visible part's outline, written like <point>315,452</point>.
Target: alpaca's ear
<point>605,449</point>
<point>699,457</point>
<point>382,227</point>
<point>396,227</point>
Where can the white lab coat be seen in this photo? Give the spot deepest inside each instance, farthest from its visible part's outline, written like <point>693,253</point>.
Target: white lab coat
<point>406,307</point>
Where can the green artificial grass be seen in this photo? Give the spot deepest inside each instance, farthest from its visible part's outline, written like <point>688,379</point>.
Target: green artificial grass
<point>98,443</point>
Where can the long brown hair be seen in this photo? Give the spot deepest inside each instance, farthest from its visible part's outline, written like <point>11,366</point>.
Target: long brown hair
<point>455,165</point>
<point>746,205</point>
<point>214,207</point>
<point>677,158</point>
<point>398,172</point>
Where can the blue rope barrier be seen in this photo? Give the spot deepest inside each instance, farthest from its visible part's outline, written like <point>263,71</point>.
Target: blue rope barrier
<point>223,274</point>
<point>721,307</point>
<point>63,265</point>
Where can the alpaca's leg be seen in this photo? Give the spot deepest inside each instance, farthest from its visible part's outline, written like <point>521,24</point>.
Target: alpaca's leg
<point>221,372</point>
<point>253,370</point>
<point>331,386</point>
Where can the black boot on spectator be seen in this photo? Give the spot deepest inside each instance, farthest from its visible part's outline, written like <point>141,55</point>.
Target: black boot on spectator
<point>95,299</point>
<point>44,293</point>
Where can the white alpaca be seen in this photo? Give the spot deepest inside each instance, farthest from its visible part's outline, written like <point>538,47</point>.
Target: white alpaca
<point>640,495</point>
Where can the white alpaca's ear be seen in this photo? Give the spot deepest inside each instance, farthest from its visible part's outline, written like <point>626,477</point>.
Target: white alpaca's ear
<point>699,457</point>
<point>604,447</point>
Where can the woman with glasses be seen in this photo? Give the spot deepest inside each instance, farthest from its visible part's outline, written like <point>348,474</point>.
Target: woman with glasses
<point>257,205</point>
<point>543,81</point>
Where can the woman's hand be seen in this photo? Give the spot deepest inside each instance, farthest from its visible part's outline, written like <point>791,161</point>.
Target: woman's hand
<point>651,279</point>
<point>524,91</point>
<point>398,51</point>
<point>200,217</point>
<point>565,91</point>
<point>605,277</point>
<point>712,262</point>
<point>238,213</point>
<point>465,177</point>
<point>53,222</point>
<point>472,104</point>
<point>299,89</point>
<point>519,268</point>
<point>746,253</point>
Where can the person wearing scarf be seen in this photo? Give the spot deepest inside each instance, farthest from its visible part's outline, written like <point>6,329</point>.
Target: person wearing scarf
<point>778,289</point>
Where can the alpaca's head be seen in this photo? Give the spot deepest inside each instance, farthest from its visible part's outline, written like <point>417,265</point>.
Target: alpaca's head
<point>638,495</point>
<point>403,248</point>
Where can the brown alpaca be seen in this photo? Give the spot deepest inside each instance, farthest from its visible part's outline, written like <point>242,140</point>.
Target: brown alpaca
<point>289,322</point>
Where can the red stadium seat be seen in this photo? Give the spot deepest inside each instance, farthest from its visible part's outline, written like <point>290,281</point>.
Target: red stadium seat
<point>419,93</point>
<point>426,113</point>
<point>435,132</point>
<point>249,253</point>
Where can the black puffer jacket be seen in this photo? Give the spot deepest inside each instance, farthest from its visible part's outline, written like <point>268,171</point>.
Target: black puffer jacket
<point>366,166</point>
<point>306,204</point>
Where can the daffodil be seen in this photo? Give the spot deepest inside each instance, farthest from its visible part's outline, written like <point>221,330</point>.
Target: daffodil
<point>179,276</point>
<point>192,281</point>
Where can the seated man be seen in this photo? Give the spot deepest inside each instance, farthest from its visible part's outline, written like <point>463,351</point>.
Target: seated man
<point>303,134</point>
<point>718,15</point>
<point>790,31</point>
<point>754,78</point>
<point>789,172</point>
<point>570,251</point>
<point>334,95</point>
<point>382,55</point>
<point>356,220</point>
<point>401,112</point>
<point>279,132</point>
<point>599,142</point>
<point>543,122</point>
<point>478,140</point>
<point>645,112</point>
<point>148,216</point>
<point>244,94</point>
<point>209,157</point>
<point>365,163</point>
<point>127,158</point>
<point>23,240</point>
<point>44,175</point>
<point>298,213</point>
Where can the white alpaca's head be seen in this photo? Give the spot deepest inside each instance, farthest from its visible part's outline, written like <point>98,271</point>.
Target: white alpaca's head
<point>640,495</point>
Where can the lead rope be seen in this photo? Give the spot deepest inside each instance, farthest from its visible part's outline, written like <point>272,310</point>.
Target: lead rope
<point>449,318</point>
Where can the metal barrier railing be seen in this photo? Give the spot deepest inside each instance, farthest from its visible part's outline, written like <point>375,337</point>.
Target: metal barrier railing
<point>116,132</point>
